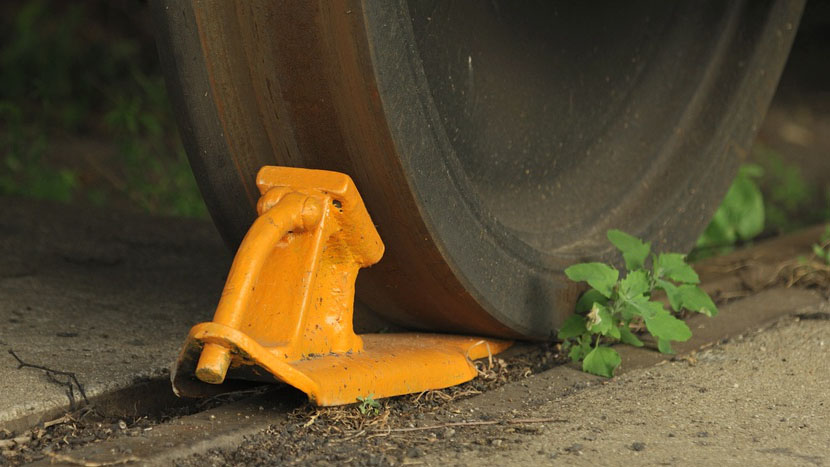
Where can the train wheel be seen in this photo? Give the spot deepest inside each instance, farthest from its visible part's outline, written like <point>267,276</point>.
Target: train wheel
<point>494,143</point>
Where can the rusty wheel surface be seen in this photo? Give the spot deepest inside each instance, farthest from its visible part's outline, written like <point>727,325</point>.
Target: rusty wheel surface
<point>493,142</point>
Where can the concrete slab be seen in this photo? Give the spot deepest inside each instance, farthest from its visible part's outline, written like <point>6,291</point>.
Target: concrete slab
<point>108,296</point>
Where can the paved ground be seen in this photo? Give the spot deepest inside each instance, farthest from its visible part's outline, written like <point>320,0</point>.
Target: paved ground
<point>759,400</point>
<point>108,296</point>
<point>759,397</point>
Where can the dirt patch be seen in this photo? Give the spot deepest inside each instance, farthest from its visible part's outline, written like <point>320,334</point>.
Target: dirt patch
<point>87,425</point>
<point>72,430</point>
<point>343,435</point>
<point>310,427</point>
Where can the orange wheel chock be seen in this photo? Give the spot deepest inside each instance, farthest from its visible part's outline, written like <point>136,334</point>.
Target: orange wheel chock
<point>286,310</point>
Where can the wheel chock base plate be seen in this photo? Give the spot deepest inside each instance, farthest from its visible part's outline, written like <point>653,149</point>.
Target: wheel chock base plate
<point>389,365</point>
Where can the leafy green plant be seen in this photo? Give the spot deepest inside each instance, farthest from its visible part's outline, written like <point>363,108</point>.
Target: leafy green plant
<point>822,248</point>
<point>368,405</point>
<point>811,271</point>
<point>606,313</point>
<point>773,197</point>
<point>790,200</point>
<point>740,217</point>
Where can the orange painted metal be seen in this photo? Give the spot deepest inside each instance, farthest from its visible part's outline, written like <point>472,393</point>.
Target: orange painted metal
<point>286,310</point>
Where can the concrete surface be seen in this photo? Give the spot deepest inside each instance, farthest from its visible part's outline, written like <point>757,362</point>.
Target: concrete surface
<point>109,296</point>
<point>759,400</point>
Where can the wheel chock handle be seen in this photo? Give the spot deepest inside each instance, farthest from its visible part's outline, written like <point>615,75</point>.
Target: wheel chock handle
<point>283,213</point>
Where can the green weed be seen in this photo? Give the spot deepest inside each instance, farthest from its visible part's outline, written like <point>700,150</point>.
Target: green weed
<point>822,248</point>
<point>740,216</point>
<point>771,197</point>
<point>606,313</point>
<point>791,202</point>
<point>368,405</point>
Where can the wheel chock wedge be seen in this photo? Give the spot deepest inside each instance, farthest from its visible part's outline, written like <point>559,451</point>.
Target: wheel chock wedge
<point>285,313</point>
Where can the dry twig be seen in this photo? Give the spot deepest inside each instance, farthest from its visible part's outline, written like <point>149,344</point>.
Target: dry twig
<point>14,442</point>
<point>71,460</point>
<point>517,421</point>
<point>70,383</point>
<point>64,419</point>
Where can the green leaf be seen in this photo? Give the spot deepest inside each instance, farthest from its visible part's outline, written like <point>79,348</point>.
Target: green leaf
<point>599,320</point>
<point>614,332</point>
<point>634,250</point>
<point>587,300</point>
<point>719,232</point>
<point>663,325</point>
<point>821,253</point>
<point>741,213</point>
<point>634,284</point>
<point>694,298</point>
<point>601,361</point>
<point>672,292</point>
<point>751,171</point>
<point>628,337</point>
<point>579,350</point>
<point>642,307</point>
<point>574,326</point>
<point>673,266</point>
<point>598,275</point>
<point>746,206</point>
<point>575,354</point>
<point>664,346</point>
<point>630,311</point>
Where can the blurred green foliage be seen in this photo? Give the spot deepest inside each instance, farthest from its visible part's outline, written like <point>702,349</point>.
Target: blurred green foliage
<point>791,201</point>
<point>740,217</point>
<point>770,197</point>
<point>822,248</point>
<point>72,70</point>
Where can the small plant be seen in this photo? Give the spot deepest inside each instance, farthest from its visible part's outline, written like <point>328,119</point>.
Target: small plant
<point>822,248</point>
<point>606,313</point>
<point>740,217</point>
<point>791,200</point>
<point>812,271</point>
<point>368,405</point>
